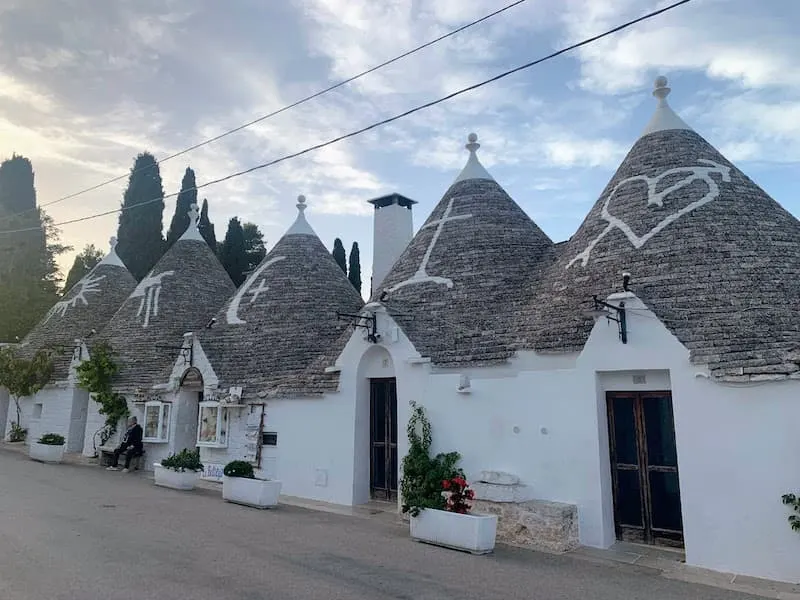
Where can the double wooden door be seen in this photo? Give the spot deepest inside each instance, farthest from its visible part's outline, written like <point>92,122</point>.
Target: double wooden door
<point>383,439</point>
<point>644,468</point>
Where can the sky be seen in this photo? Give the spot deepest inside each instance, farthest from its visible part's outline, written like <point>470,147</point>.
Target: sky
<point>87,85</point>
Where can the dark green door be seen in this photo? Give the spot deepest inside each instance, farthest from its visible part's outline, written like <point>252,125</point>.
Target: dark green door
<point>383,439</point>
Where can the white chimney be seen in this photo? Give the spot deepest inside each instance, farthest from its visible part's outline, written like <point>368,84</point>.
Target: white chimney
<point>393,230</point>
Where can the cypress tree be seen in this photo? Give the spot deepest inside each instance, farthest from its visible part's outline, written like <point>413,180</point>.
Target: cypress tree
<point>233,254</point>
<point>339,254</point>
<point>206,228</point>
<point>84,262</point>
<point>186,197</point>
<point>355,267</point>
<point>17,192</point>
<point>140,243</point>
<point>254,246</point>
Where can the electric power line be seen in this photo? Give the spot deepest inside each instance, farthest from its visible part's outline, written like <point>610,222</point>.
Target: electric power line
<point>383,122</point>
<point>276,112</point>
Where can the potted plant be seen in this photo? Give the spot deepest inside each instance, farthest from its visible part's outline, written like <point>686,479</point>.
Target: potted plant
<point>241,486</point>
<point>179,471</point>
<point>436,494</point>
<point>49,448</point>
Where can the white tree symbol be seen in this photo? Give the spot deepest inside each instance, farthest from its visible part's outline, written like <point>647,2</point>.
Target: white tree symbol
<point>87,285</point>
<point>149,290</point>
<point>694,173</point>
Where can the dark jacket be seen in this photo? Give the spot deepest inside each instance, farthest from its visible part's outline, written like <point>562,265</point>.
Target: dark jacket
<point>133,437</point>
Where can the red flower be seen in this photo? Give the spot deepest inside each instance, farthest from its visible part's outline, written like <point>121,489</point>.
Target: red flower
<point>470,494</point>
<point>446,484</point>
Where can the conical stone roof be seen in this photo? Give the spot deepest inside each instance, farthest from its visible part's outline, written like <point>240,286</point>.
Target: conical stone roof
<point>467,271</point>
<point>283,317</point>
<point>180,294</point>
<point>86,307</point>
<point>715,258</point>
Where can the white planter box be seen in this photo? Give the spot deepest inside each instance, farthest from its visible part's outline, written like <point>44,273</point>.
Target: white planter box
<point>473,533</point>
<point>176,480</point>
<point>46,452</point>
<point>258,493</point>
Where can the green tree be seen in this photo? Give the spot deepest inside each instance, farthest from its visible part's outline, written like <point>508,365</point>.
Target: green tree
<point>206,228</point>
<point>354,274</point>
<point>233,253</point>
<point>84,262</point>
<point>140,243</point>
<point>29,275</point>
<point>254,246</point>
<point>339,254</point>
<point>186,197</point>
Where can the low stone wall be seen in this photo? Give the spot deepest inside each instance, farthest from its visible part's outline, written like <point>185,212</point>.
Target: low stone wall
<point>535,524</point>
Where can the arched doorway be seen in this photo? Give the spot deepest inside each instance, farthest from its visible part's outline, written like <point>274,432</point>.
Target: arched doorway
<point>188,410</point>
<point>377,468</point>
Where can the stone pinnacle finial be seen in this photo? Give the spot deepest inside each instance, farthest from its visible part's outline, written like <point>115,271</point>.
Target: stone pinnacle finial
<point>301,204</point>
<point>194,215</point>
<point>661,90</point>
<point>473,144</point>
<point>112,242</point>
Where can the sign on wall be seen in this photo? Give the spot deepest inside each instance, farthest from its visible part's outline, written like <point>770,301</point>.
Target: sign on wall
<point>212,472</point>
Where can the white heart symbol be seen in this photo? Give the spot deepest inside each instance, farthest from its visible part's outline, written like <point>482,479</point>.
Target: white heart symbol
<point>694,173</point>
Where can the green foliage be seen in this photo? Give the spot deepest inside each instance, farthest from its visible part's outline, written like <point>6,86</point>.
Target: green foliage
<point>421,485</point>
<point>139,241</point>
<point>52,439</point>
<point>354,274</point>
<point>23,377</point>
<point>239,468</point>
<point>339,254</point>
<point>17,433</point>
<point>233,253</point>
<point>186,197</point>
<point>206,228</point>
<point>793,501</point>
<point>254,247</point>
<point>83,264</point>
<point>96,375</point>
<point>185,460</point>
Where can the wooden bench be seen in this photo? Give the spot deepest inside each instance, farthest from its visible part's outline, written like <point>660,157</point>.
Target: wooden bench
<point>106,454</point>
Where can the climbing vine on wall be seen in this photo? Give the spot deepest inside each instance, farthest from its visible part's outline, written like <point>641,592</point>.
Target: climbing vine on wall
<point>793,501</point>
<point>24,377</point>
<point>96,375</point>
<point>421,485</point>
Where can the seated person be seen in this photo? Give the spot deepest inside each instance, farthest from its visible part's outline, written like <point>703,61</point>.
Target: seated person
<point>131,445</point>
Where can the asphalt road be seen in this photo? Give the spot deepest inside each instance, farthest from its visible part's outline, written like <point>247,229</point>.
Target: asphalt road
<point>81,533</point>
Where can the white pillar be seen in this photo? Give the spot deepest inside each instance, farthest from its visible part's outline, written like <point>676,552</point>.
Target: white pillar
<point>392,232</point>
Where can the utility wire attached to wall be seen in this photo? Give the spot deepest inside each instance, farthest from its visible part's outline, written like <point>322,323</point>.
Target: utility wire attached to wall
<point>381,123</point>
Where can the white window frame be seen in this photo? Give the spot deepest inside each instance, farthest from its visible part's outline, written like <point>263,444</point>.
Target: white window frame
<point>223,420</point>
<point>164,418</point>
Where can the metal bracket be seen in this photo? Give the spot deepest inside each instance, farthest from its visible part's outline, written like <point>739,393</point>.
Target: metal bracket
<point>620,319</point>
<point>371,324</point>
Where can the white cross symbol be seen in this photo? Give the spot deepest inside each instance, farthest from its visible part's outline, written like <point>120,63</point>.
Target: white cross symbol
<point>421,275</point>
<point>262,287</point>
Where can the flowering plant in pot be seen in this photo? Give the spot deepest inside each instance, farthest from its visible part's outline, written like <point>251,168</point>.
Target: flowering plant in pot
<point>48,448</point>
<point>179,471</point>
<point>436,494</point>
<point>241,486</point>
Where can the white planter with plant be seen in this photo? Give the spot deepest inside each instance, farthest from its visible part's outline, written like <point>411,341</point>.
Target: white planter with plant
<point>240,486</point>
<point>437,495</point>
<point>179,471</point>
<point>49,448</point>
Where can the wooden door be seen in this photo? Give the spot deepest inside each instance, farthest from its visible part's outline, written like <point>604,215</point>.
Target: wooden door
<point>383,439</point>
<point>644,468</point>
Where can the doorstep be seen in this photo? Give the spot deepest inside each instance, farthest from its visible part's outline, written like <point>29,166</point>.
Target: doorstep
<point>670,563</point>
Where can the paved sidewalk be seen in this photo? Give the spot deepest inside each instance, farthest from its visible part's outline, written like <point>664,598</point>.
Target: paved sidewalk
<point>71,522</point>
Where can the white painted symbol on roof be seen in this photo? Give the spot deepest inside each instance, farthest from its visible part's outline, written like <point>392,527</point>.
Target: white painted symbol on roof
<point>421,276</point>
<point>695,173</point>
<point>149,290</point>
<point>88,285</point>
<point>232,315</point>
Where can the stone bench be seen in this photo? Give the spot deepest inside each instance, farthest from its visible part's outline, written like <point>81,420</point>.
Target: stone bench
<point>106,454</point>
<point>522,520</point>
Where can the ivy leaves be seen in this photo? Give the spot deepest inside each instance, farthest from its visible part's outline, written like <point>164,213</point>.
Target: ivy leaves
<point>793,501</point>
<point>96,375</point>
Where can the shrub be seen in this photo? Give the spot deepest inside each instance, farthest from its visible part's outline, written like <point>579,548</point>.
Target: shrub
<point>458,495</point>
<point>52,439</point>
<point>184,460</point>
<point>17,433</point>
<point>239,468</point>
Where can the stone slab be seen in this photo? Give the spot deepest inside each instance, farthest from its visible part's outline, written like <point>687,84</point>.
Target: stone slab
<point>491,492</point>
<point>498,478</point>
<point>535,524</point>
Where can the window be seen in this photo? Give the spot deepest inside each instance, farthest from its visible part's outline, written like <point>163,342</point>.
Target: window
<point>37,411</point>
<point>212,425</point>
<point>156,421</point>
<point>269,438</point>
